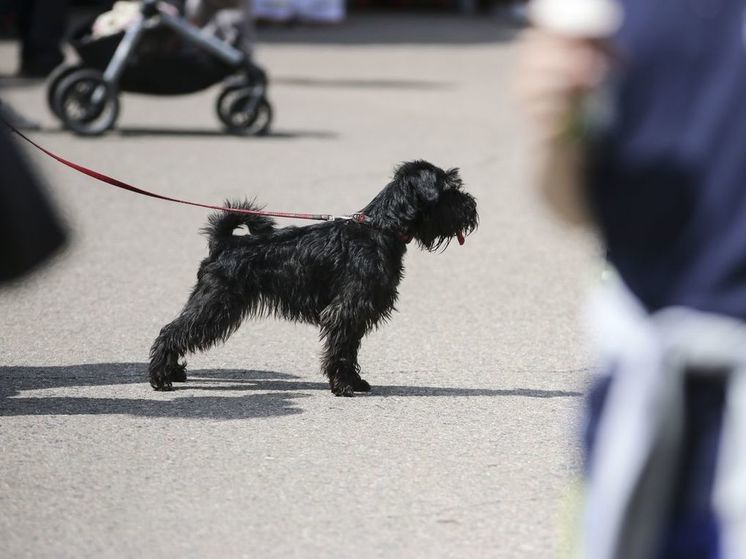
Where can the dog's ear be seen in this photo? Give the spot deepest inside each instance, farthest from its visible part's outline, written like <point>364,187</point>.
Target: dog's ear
<point>427,186</point>
<point>454,179</point>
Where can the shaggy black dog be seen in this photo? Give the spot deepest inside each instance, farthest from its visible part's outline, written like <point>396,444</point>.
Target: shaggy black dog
<point>340,275</point>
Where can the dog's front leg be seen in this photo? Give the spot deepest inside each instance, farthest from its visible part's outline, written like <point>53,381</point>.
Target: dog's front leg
<point>339,362</point>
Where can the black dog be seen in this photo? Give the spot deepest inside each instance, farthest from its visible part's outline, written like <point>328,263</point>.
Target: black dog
<point>340,275</point>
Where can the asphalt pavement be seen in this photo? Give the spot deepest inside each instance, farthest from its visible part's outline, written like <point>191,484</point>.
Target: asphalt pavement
<point>466,447</point>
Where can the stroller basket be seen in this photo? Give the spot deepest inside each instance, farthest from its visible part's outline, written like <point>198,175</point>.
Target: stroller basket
<point>162,64</point>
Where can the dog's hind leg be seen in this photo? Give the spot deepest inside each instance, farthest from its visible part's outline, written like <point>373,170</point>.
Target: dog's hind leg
<point>212,313</point>
<point>342,335</point>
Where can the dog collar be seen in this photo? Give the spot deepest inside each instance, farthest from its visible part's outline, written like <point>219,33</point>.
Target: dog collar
<point>363,219</point>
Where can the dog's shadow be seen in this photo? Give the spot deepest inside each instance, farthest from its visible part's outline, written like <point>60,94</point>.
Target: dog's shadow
<point>262,393</point>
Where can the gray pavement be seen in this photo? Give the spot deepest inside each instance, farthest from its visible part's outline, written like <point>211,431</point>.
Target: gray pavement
<point>466,447</point>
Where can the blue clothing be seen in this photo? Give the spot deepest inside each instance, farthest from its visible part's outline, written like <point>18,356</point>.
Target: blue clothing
<point>691,529</point>
<point>668,177</point>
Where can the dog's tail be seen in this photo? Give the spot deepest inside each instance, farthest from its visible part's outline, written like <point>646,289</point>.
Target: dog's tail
<point>220,225</point>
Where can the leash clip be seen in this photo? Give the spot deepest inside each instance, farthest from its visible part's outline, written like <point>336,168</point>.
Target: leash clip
<point>356,217</point>
<point>359,218</point>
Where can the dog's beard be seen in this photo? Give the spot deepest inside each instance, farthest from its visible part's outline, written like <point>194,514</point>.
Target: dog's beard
<point>455,216</point>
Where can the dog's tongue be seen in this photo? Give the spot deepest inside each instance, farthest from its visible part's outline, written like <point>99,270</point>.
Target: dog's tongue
<point>460,236</point>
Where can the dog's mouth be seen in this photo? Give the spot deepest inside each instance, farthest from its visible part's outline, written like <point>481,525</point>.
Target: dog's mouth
<point>460,237</point>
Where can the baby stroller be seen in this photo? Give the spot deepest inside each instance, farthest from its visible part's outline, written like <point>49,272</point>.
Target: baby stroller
<point>159,54</point>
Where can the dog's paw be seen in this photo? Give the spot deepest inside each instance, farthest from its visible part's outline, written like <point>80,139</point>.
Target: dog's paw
<point>342,388</point>
<point>361,385</point>
<point>162,386</point>
<point>178,374</point>
<point>159,381</point>
<point>345,391</point>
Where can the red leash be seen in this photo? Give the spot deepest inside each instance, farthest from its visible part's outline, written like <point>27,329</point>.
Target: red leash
<point>357,217</point>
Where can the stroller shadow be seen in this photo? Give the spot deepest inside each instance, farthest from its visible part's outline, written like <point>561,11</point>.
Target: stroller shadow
<point>418,28</point>
<point>373,83</point>
<point>263,393</point>
<point>273,135</point>
<point>136,131</point>
<point>15,81</point>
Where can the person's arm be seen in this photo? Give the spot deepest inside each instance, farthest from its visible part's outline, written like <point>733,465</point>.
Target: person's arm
<point>555,74</point>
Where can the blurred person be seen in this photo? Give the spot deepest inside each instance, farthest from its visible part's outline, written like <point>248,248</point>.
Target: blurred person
<point>642,136</point>
<point>519,11</point>
<point>7,13</point>
<point>41,25</point>
<point>30,231</point>
<point>16,119</point>
<point>305,11</point>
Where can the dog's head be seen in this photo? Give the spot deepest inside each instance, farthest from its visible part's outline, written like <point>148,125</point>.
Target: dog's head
<point>426,203</point>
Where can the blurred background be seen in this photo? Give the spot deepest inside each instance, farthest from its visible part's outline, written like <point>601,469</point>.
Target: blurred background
<point>466,447</point>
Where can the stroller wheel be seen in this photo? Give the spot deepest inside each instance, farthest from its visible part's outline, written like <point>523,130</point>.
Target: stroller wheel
<point>54,80</point>
<point>244,112</point>
<point>86,104</point>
